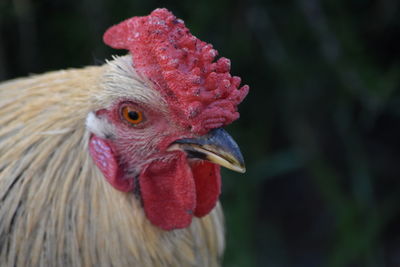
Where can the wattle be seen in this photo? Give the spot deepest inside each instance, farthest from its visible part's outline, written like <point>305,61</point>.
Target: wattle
<point>173,191</point>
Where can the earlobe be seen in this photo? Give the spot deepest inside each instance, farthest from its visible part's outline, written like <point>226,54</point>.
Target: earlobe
<point>103,155</point>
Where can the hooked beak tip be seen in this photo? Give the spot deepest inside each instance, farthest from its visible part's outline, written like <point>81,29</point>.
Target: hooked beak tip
<point>217,147</point>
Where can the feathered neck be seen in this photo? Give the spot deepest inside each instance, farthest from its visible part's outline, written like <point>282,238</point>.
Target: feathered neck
<point>55,207</point>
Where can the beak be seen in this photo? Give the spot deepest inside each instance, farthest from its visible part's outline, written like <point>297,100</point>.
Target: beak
<point>217,146</point>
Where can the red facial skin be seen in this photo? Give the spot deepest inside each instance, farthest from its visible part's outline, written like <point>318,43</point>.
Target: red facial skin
<point>172,188</point>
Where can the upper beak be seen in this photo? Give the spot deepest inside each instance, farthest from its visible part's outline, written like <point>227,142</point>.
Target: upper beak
<point>217,146</point>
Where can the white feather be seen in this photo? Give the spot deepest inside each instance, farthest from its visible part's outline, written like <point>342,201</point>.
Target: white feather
<point>99,126</point>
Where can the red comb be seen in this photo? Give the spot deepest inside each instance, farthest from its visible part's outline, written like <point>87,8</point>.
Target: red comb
<point>201,93</point>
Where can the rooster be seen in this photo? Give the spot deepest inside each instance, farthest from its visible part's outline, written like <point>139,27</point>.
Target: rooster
<point>119,164</point>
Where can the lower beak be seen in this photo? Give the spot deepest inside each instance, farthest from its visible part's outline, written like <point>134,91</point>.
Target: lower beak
<point>217,146</point>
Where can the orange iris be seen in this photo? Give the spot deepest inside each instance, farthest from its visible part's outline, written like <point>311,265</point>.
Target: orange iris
<point>132,115</point>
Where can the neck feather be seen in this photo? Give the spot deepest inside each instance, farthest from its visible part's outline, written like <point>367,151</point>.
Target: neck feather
<point>56,209</point>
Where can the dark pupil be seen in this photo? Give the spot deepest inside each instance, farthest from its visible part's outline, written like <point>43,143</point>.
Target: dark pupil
<point>133,115</point>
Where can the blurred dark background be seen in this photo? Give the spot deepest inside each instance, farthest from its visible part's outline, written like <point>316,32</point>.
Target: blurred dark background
<point>319,130</point>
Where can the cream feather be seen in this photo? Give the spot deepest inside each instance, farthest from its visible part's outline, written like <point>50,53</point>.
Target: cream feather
<point>56,209</point>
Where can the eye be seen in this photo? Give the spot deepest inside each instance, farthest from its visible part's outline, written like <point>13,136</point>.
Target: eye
<point>132,115</point>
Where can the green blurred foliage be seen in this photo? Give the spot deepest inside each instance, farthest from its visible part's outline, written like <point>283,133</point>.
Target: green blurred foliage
<point>319,129</point>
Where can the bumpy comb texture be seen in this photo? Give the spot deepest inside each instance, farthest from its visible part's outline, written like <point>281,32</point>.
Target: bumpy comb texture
<point>201,93</point>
